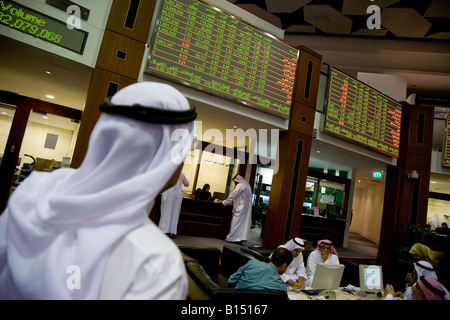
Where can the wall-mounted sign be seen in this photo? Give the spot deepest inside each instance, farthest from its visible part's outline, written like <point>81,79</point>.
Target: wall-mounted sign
<point>208,49</point>
<point>363,115</point>
<point>377,175</point>
<point>41,26</point>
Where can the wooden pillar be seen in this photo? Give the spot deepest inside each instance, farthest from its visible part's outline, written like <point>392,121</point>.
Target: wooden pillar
<point>406,195</point>
<point>118,62</point>
<point>288,185</point>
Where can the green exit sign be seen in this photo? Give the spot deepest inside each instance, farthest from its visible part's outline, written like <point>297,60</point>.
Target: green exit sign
<point>39,25</point>
<point>377,175</point>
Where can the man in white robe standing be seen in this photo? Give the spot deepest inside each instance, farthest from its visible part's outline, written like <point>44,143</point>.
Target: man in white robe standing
<point>241,221</point>
<point>85,233</point>
<point>171,200</point>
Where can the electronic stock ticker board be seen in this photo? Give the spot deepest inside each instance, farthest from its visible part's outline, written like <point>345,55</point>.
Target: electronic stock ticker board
<point>206,48</point>
<point>363,115</point>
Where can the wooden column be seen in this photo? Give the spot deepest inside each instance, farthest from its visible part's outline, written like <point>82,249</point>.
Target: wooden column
<point>406,197</point>
<point>118,62</point>
<point>288,185</point>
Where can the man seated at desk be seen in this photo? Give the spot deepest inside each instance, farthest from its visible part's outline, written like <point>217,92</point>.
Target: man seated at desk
<point>259,275</point>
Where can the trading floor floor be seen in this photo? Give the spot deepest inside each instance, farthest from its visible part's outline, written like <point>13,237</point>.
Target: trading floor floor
<point>357,247</point>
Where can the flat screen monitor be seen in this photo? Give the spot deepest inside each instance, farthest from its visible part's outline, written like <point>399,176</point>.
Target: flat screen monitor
<point>327,276</point>
<point>370,278</point>
<point>203,47</point>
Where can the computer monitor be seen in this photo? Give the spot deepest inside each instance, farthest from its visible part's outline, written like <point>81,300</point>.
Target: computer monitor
<point>370,278</point>
<point>327,276</point>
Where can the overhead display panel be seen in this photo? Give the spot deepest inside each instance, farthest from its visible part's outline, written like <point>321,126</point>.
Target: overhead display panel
<point>358,113</point>
<point>446,153</point>
<point>204,47</point>
<point>41,26</point>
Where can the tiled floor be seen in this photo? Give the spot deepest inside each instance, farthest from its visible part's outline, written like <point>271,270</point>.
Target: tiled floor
<point>358,246</point>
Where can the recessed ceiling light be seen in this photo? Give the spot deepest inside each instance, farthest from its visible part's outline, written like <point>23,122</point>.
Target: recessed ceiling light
<point>318,151</point>
<point>48,72</point>
<point>50,96</point>
<point>44,117</point>
<point>433,181</point>
<point>4,112</point>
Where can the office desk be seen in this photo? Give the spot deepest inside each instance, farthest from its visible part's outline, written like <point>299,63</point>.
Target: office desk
<point>333,295</point>
<point>199,218</point>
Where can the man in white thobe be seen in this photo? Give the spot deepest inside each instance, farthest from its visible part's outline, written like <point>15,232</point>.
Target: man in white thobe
<point>85,233</point>
<point>241,221</point>
<point>325,253</point>
<point>171,200</point>
<point>295,274</point>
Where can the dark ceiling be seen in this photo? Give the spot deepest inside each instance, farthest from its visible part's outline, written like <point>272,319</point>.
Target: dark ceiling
<point>400,19</point>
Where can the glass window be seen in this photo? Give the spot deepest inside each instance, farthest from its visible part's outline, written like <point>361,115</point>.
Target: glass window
<point>330,198</point>
<point>217,170</point>
<point>50,140</point>
<point>190,170</point>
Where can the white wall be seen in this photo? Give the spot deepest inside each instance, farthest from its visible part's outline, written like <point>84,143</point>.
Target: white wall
<point>368,211</point>
<point>34,140</point>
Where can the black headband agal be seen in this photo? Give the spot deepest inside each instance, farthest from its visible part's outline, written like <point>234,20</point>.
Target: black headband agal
<point>298,243</point>
<point>150,114</point>
<point>424,267</point>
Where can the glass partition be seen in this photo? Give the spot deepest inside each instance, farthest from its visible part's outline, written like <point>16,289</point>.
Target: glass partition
<point>217,170</point>
<point>6,118</point>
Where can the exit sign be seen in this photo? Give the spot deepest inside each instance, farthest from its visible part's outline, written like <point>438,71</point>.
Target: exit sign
<point>377,175</point>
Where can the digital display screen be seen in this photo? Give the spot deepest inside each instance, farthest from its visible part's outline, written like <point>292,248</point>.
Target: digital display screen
<point>201,46</point>
<point>372,278</point>
<point>36,24</point>
<point>361,114</point>
<point>446,153</point>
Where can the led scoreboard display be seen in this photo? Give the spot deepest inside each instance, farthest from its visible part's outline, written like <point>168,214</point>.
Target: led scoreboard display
<point>41,26</point>
<point>201,46</point>
<point>361,114</point>
<point>446,153</point>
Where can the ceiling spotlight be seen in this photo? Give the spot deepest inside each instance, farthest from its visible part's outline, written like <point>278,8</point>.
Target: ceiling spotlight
<point>50,96</point>
<point>318,151</point>
<point>48,72</point>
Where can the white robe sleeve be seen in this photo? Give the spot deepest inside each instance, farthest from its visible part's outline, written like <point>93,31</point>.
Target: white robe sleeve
<point>185,181</point>
<point>296,270</point>
<point>234,195</point>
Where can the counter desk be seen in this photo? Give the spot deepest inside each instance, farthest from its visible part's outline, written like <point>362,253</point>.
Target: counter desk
<point>316,228</point>
<point>199,218</point>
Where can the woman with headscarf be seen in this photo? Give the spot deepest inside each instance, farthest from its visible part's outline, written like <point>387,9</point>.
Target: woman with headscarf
<point>241,221</point>
<point>324,253</point>
<point>295,274</point>
<point>203,193</point>
<point>85,233</point>
<point>420,251</point>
